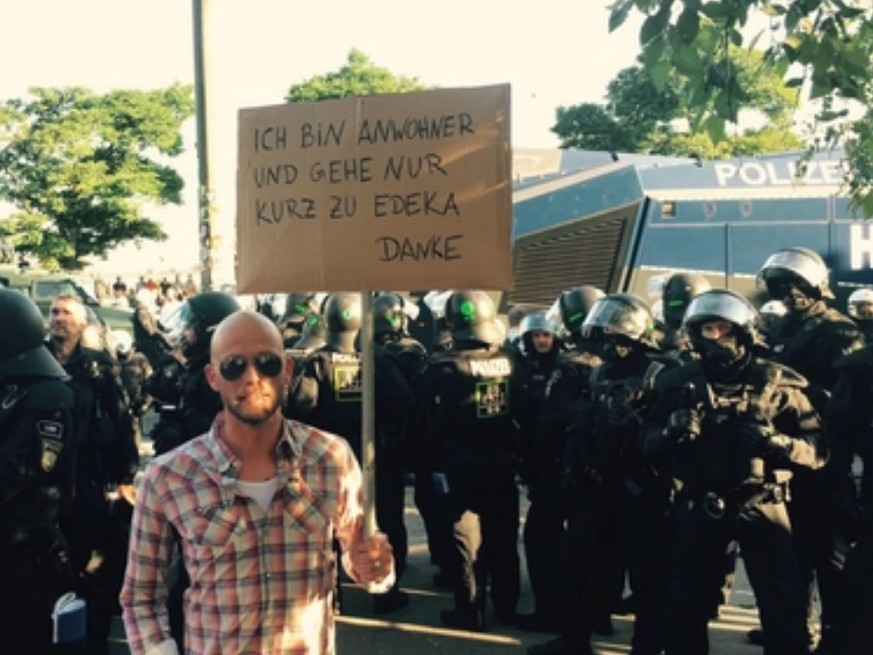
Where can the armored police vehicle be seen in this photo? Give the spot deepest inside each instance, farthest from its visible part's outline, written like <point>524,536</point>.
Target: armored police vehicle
<point>625,222</point>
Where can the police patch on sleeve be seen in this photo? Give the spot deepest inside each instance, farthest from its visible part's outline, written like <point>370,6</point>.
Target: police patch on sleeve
<point>50,429</point>
<point>51,450</point>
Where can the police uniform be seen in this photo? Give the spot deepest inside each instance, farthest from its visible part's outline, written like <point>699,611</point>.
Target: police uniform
<point>470,396</point>
<point>412,357</point>
<point>609,498</point>
<point>732,427</point>
<point>541,471</point>
<point>192,414</point>
<point>811,343</point>
<point>108,456</point>
<point>38,442</point>
<point>729,492</point>
<point>614,524</point>
<point>37,460</point>
<point>328,394</point>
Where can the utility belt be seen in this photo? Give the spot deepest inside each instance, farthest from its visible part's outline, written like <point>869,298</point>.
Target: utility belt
<point>717,505</point>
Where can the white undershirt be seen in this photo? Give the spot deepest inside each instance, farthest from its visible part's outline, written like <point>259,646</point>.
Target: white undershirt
<point>261,492</point>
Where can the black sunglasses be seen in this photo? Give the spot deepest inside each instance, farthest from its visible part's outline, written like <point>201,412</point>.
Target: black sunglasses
<point>267,365</point>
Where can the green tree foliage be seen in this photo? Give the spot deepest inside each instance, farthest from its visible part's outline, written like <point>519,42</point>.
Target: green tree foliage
<point>640,117</point>
<point>822,47</point>
<point>359,77</point>
<point>79,169</point>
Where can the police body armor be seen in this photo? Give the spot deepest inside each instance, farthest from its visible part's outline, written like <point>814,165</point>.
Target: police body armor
<point>718,468</point>
<point>474,414</point>
<point>334,405</point>
<point>38,437</point>
<point>603,447</point>
<point>197,407</point>
<point>565,390</point>
<point>410,355</point>
<point>812,345</point>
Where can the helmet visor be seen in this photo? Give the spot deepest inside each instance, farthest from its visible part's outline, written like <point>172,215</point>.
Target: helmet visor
<point>174,323</point>
<point>796,263</point>
<point>723,306</point>
<point>553,315</point>
<point>616,317</point>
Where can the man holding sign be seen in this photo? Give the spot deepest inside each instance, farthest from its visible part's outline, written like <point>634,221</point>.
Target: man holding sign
<point>256,502</point>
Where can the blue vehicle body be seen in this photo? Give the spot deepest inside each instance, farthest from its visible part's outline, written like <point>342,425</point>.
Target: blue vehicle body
<point>624,225</point>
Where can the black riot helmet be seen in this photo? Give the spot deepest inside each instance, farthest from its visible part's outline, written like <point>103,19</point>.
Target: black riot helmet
<point>791,274</point>
<point>22,338</point>
<point>679,289</point>
<point>312,334</point>
<point>202,313</point>
<point>471,316</point>
<point>622,314</point>
<point>572,306</point>
<point>391,315</point>
<point>342,312</point>
<point>731,350</point>
<point>297,307</point>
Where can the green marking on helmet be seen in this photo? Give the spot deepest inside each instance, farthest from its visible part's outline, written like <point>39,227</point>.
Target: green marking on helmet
<point>347,314</point>
<point>394,320</point>
<point>675,303</point>
<point>468,310</point>
<point>576,316</point>
<point>301,308</point>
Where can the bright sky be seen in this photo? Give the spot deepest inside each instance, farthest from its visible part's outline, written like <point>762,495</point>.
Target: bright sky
<point>552,52</point>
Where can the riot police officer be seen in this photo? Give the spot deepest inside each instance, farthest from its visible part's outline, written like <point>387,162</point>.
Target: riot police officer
<point>565,390</point>
<point>769,316</point>
<point>678,291</point>
<point>311,336</point>
<point>472,400</point>
<point>108,459</point>
<point>392,316</point>
<point>810,339</point>
<point>193,404</point>
<point>37,465</point>
<point>731,425</point>
<point>328,395</point>
<point>543,526</point>
<point>299,306</point>
<point>612,499</point>
<point>860,308</point>
<point>571,307</point>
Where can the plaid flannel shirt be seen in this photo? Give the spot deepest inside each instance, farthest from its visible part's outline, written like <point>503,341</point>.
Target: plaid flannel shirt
<point>261,582</point>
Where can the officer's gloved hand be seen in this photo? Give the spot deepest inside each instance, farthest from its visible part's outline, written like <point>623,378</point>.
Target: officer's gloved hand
<point>683,425</point>
<point>759,436</point>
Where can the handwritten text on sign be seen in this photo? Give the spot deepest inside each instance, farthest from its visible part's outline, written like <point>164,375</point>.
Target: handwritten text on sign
<point>403,191</point>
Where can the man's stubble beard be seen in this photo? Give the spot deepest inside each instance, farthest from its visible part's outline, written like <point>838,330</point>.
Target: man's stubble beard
<point>253,418</point>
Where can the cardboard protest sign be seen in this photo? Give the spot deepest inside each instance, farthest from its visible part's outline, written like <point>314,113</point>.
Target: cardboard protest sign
<point>401,191</point>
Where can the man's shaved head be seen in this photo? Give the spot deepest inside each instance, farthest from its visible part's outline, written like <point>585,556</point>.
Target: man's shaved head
<point>252,394</point>
<point>244,326</point>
